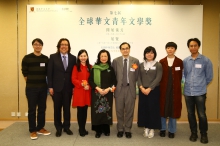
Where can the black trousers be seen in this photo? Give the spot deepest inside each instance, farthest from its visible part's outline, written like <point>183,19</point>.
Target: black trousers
<point>61,101</point>
<point>103,128</point>
<point>36,98</point>
<point>81,117</point>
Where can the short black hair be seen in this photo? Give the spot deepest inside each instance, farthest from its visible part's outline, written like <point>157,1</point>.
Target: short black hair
<point>98,61</point>
<point>38,40</point>
<point>149,49</point>
<point>193,39</point>
<point>171,44</point>
<point>124,44</point>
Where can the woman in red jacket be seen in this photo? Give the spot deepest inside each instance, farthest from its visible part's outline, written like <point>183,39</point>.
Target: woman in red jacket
<point>82,90</point>
<point>170,90</point>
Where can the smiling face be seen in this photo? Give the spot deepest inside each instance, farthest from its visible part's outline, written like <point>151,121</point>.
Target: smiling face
<point>64,47</point>
<point>83,58</point>
<point>103,57</point>
<point>37,47</point>
<point>149,56</point>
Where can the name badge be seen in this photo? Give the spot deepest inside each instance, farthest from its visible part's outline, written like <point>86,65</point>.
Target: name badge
<point>153,68</point>
<point>177,68</point>
<point>198,65</point>
<point>131,69</point>
<point>42,64</point>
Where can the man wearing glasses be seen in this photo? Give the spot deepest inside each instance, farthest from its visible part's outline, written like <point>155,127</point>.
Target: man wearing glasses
<point>126,70</point>
<point>34,70</point>
<point>59,73</point>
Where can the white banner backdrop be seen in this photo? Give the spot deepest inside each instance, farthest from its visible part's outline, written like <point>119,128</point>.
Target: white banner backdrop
<point>96,27</point>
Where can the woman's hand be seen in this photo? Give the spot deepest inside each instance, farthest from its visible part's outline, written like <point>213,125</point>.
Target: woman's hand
<point>86,87</point>
<point>145,91</point>
<point>51,91</point>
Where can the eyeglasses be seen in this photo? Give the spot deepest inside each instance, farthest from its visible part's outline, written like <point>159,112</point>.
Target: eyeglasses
<point>123,49</point>
<point>37,45</point>
<point>63,44</point>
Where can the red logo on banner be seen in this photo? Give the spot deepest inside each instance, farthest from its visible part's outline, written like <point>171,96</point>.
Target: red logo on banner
<point>32,9</point>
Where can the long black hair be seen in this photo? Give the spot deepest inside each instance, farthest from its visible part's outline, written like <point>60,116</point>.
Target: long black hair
<point>78,61</point>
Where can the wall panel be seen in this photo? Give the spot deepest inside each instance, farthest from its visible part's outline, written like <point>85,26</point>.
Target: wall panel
<point>8,59</point>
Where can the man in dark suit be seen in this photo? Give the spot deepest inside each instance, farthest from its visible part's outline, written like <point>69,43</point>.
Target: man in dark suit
<point>60,86</point>
<point>126,70</point>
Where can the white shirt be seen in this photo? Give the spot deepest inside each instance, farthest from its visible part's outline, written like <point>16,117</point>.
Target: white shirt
<point>170,61</point>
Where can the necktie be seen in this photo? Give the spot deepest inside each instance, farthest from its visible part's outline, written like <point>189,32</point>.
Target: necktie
<point>64,62</point>
<point>125,81</point>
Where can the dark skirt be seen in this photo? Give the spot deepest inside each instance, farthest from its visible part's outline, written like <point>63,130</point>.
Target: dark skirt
<point>149,109</point>
<point>101,108</point>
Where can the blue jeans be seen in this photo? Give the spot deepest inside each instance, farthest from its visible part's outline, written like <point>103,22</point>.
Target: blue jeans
<point>171,124</point>
<point>199,103</point>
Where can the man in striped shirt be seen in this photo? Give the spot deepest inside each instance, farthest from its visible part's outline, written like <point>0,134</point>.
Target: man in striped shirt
<point>34,70</point>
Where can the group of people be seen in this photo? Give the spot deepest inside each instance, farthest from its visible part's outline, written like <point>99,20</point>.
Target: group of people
<point>160,92</point>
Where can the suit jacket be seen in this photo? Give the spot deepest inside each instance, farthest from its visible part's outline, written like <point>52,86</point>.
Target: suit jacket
<point>177,77</point>
<point>117,65</point>
<point>57,76</point>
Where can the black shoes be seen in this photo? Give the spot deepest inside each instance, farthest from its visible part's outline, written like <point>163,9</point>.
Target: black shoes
<point>68,131</point>
<point>204,138</point>
<point>193,137</point>
<point>58,133</point>
<point>162,133</point>
<point>106,134</point>
<point>84,133</point>
<point>98,135</point>
<point>128,134</point>
<point>120,134</point>
<point>171,135</point>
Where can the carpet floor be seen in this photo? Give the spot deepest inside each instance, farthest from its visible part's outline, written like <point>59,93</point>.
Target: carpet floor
<point>18,135</point>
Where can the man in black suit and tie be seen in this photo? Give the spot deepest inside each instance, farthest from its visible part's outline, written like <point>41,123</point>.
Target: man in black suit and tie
<point>60,86</point>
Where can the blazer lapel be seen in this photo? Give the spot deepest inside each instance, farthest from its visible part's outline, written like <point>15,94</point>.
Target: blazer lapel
<point>69,60</point>
<point>121,63</point>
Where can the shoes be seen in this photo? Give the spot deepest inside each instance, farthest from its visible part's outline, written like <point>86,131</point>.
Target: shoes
<point>68,131</point>
<point>146,131</point>
<point>98,135</point>
<point>43,132</point>
<point>106,134</point>
<point>204,138</point>
<point>33,135</point>
<point>128,134</point>
<point>171,135</point>
<point>58,133</point>
<point>193,137</point>
<point>120,134</point>
<point>162,133</point>
<point>151,133</point>
<point>83,133</point>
